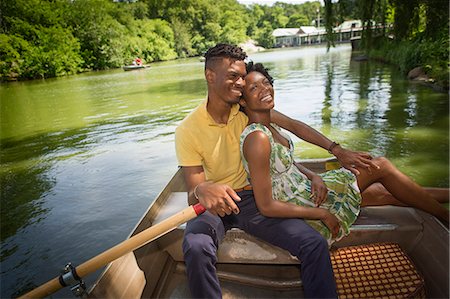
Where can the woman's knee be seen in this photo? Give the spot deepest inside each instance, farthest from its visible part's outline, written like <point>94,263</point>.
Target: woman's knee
<point>385,168</point>
<point>383,163</point>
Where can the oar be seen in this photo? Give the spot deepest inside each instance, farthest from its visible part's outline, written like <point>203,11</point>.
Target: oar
<point>119,250</point>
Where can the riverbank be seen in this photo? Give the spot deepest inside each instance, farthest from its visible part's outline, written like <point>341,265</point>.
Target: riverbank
<point>10,74</point>
<point>421,61</point>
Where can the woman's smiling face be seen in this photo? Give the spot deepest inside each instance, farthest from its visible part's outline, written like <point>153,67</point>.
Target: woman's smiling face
<point>258,92</point>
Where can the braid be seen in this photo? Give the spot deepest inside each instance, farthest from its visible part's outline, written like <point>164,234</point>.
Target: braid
<point>223,51</point>
<point>259,67</point>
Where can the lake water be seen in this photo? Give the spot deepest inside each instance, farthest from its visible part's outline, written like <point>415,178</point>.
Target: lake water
<point>82,157</point>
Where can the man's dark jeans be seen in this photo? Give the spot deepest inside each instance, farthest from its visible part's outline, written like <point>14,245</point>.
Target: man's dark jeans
<point>204,234</point>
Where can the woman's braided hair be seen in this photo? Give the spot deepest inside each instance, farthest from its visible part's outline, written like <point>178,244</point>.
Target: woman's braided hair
<point>259,67</point>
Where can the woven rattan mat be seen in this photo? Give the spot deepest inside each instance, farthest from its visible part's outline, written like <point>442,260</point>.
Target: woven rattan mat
<point>380,270</point>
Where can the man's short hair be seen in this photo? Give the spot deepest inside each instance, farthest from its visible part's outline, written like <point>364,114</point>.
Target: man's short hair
<point>220,51</point>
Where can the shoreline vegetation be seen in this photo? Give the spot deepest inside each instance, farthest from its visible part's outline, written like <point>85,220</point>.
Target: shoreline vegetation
<point>423,62</point>
<point>43,39</point>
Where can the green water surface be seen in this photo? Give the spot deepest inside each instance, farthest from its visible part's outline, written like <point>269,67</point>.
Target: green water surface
<point>82,157</point>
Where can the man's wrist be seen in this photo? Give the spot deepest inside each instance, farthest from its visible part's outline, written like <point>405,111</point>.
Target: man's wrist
<point>195,192</point>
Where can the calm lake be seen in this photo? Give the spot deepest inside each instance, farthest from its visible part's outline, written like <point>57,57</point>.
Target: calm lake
<point>82,157</point>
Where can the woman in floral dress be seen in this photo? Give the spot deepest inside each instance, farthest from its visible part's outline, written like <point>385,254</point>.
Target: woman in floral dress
<point>331,201</point>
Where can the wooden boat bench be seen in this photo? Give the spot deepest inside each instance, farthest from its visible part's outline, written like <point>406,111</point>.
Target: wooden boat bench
<point>249,267</point>
<point>240,247</point>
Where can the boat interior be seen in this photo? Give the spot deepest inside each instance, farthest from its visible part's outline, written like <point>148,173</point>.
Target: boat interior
<point>250,268</point>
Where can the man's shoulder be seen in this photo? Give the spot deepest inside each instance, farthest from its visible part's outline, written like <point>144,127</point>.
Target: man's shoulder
<point>191,121</point>
<point>194,115</point>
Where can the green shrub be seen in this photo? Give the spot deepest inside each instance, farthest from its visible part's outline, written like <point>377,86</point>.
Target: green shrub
<point>51,52</point>
<point>431,54</point>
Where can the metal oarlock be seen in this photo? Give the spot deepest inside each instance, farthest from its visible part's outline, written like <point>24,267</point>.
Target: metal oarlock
<point>71,278</point>
<point>79,290</point>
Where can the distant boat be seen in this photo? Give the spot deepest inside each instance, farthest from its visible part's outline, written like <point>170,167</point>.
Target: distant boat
<point>133,67</point>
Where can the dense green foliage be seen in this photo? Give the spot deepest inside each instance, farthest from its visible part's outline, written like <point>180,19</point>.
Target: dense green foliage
<point>40,39</point>
<point>48,38</point>
<point>420,38</point>
<point>430,54</point>
<point>265,19</point>
<point>414,33</point>
<point>43,38</point>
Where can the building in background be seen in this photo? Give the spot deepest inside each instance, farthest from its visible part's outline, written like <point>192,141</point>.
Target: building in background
<point>307,35</point>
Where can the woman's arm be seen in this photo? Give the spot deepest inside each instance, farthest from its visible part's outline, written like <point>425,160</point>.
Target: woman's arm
<point>309,174</point>
<point>319,190</point>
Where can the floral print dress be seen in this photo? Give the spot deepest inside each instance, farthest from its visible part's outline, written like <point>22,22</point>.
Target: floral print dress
<point>289,184</point>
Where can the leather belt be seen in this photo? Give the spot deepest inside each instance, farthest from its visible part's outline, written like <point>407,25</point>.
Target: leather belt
<point>248,187</point>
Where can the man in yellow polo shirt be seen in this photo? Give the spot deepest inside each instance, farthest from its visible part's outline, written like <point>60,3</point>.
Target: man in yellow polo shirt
<point>214,146</point>
<point>207,146</point>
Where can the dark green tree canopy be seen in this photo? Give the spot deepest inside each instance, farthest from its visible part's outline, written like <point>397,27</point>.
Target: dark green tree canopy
<point>47,38</point>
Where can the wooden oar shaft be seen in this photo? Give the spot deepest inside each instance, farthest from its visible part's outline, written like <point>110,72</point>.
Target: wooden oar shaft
<point>120,249</point>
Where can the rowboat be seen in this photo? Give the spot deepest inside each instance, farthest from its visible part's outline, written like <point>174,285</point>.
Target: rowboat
<point>134,67</point>
<point>250,268</point>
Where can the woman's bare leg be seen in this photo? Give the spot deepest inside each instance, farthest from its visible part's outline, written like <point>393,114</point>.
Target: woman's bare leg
<point>401,187</point>
<point>377,195</point>
<point>440,194</point>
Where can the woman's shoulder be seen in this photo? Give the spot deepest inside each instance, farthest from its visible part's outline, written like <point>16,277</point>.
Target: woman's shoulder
<point>255,137</point>
<point>254,127</point>
<point>258,131</point>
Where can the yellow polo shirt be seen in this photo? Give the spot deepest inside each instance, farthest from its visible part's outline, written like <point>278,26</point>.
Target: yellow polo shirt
<point>200,141</point>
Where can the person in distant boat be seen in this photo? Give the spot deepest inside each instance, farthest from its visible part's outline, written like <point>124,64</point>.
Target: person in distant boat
<point>330,201</point>
<point>207,148</point>
<point>137,61</point>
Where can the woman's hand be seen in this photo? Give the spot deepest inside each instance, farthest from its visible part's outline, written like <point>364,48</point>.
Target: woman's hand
<point>331,222</point>
<point>319,191</point>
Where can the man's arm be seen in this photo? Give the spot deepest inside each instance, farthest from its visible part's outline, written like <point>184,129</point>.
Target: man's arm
<point>348,159</point>
<point>216,198</point>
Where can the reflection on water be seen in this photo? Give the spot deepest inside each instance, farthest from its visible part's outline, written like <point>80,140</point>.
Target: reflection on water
<point>82,157</point>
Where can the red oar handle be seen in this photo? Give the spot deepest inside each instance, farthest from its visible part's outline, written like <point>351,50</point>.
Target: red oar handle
<point>199,209</point>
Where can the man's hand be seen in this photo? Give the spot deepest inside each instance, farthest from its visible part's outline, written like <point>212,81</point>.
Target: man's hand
<point>353,160</point>
<point>217,198</point>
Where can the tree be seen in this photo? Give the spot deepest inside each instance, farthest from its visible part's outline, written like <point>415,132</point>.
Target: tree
<point>297,20</point>
<point>437,18</point>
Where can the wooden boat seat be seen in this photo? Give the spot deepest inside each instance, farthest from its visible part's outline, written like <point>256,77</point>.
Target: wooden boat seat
<point>272,272</point>
<point>240,247</point>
